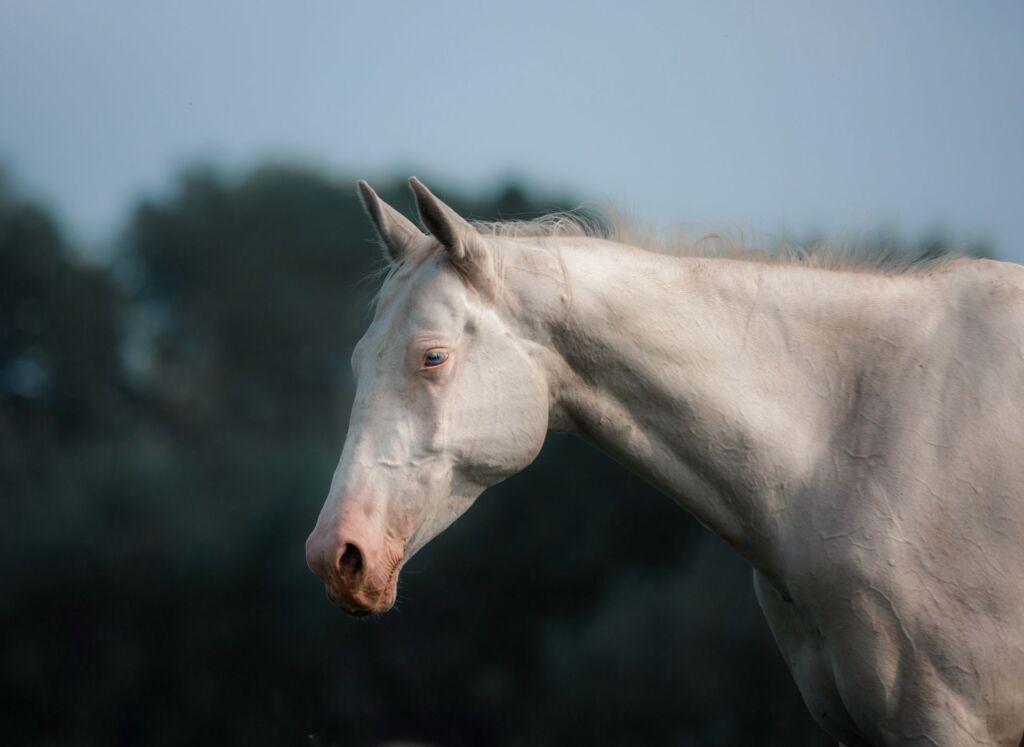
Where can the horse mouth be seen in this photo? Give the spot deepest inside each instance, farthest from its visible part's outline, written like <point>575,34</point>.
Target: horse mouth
<point>354,611</point>
<point>365,602</point>
<point>357,607</point>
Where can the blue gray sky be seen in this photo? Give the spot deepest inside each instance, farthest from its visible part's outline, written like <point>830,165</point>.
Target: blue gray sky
<point>794,117</point>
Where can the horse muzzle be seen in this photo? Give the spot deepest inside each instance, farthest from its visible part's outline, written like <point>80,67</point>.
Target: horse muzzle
<point>358,582</point>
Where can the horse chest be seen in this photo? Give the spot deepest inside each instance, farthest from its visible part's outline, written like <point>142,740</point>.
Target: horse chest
<point>807,654</point>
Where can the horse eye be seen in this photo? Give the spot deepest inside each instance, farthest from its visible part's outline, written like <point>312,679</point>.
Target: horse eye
<point>434,358</point>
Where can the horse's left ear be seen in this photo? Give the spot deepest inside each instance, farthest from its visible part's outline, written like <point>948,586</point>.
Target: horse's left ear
<point>464,243</point>
<point>397,233</point>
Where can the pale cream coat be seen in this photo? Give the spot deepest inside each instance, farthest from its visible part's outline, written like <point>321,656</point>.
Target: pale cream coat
<point>857,436</point>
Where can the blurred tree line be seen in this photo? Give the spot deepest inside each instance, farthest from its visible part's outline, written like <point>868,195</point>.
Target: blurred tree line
<point>169,423</point>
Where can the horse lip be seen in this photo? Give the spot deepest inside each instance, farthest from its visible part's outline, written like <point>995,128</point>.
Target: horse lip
<point>392,583</point>
<point>346,602</point>
<point>355,612</point>
<point>346,607</point>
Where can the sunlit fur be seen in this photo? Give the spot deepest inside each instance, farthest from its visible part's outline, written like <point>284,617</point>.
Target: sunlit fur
<point>685,241</point>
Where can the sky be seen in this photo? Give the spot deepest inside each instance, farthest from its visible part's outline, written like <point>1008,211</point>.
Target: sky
<point>799,118</point>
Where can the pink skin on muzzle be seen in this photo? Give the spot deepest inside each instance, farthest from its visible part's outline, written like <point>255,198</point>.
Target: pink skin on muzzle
<point>358,563</point>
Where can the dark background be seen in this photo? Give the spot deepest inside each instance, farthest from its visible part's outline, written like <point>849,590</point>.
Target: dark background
<point>169,422</point>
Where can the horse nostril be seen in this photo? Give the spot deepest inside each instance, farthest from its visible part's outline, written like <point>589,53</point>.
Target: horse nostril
<point>351,561</point>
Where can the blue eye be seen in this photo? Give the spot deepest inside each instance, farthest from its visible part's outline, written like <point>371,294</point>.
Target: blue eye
<point>434,358</point>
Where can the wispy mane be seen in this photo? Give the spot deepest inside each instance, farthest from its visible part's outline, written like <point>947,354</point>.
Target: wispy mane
<point>878,257</point>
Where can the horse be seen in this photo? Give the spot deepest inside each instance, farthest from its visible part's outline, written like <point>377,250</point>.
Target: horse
<point>854,430</point>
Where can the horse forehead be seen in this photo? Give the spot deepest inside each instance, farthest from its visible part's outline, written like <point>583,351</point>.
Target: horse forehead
<point>427,299</point>
<point>430,293</point>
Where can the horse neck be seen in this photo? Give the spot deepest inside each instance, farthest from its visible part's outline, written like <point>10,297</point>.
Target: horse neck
<point>721,382</point>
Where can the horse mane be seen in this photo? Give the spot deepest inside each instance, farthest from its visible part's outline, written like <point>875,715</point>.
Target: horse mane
<point>875,257</point>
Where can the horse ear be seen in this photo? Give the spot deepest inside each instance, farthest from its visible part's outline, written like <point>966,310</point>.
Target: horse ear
<point>396,232</point>
<point>464,244</point>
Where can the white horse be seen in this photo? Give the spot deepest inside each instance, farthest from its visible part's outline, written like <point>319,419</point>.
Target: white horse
<point>857,435</point>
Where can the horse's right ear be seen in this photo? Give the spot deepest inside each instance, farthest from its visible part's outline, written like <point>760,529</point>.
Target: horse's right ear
<point>397,233</point>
